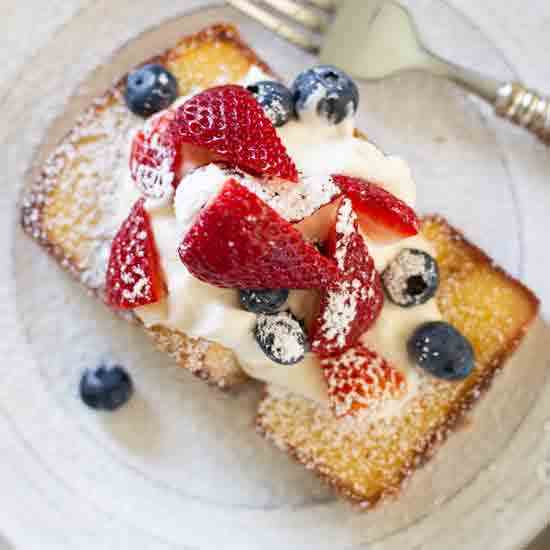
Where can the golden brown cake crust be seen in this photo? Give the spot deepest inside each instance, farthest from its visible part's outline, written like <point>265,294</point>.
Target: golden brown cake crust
<point>443,236</point>
<point>208,361</point>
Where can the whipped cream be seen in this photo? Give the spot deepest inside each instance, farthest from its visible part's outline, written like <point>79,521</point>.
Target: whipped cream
<point>200,310</point>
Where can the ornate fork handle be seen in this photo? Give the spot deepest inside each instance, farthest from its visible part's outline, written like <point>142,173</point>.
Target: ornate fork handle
<point>525,108</point>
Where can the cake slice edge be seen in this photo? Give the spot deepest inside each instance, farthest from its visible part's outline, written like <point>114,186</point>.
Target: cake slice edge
<point>63,210</point>
<point>310,434</point>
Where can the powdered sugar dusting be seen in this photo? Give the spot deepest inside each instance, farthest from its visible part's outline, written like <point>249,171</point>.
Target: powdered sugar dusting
<point>345,227</point>
<point>339,315</point>
<point>341,300</point>
<point>282,336</point>
<point>275,111</point>
<point>154,181</point>
<point>294,201</point>
<point>74,201</point>
<point>153,158</point>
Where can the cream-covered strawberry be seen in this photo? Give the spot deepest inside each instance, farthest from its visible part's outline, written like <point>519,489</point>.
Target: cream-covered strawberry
<point>226,122</point>
<point>382,216</point>
<point>134,276</point>
<point>239,241</point>
<point>359,379</point>
<point>352,302</point>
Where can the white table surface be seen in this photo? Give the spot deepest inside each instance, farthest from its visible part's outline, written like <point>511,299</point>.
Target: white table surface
<point>520,29</point>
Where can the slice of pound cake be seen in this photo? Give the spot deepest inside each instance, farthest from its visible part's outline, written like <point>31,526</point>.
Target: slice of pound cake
<point>71,207</point>
<point>368,458</point>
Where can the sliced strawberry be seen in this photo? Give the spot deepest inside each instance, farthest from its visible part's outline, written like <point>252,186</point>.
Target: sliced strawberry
<point>382,216</point>
<point>155,157</point>
<point>134,275</point>
<point>359,379</point>
<point>238,241</point>
<point>350,304</point>
<point>227,121</point>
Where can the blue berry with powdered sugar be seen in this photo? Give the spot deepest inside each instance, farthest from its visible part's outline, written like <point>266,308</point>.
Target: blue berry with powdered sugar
<point>326,91</point>
<point>275,99</point>
<point>411,278</point>
<point>281,337</point>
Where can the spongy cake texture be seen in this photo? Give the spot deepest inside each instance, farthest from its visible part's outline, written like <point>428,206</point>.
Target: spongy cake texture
<point>365,460</point>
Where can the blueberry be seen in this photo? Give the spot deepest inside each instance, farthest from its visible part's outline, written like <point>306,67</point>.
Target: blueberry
<point>263,301</point>
<point>276,100</point>
<point>441,350</point>
<point>150,89</point>
<point>328,91</point>
<point>106,388</point>
<point>281,337</point>
<point>411,278</point>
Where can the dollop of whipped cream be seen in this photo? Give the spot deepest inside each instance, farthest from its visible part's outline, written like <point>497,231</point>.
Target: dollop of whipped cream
<point>319,149</point>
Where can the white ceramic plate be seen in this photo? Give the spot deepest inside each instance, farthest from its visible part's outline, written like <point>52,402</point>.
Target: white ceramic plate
<point>181,466</point>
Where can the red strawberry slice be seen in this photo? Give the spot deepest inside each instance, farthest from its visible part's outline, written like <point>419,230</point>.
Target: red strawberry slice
<point>134,275</point>
<point>350,304</point>
<point>382,216</point>
<point>359,379</point>
<point>155,157</point>
<point>228,122</point>
<point>238,241</point>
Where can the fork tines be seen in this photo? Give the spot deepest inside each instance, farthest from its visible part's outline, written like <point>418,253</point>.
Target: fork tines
<point>307,20</point>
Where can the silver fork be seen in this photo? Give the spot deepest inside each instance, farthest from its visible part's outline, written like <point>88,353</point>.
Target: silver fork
<point>372,39</point>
